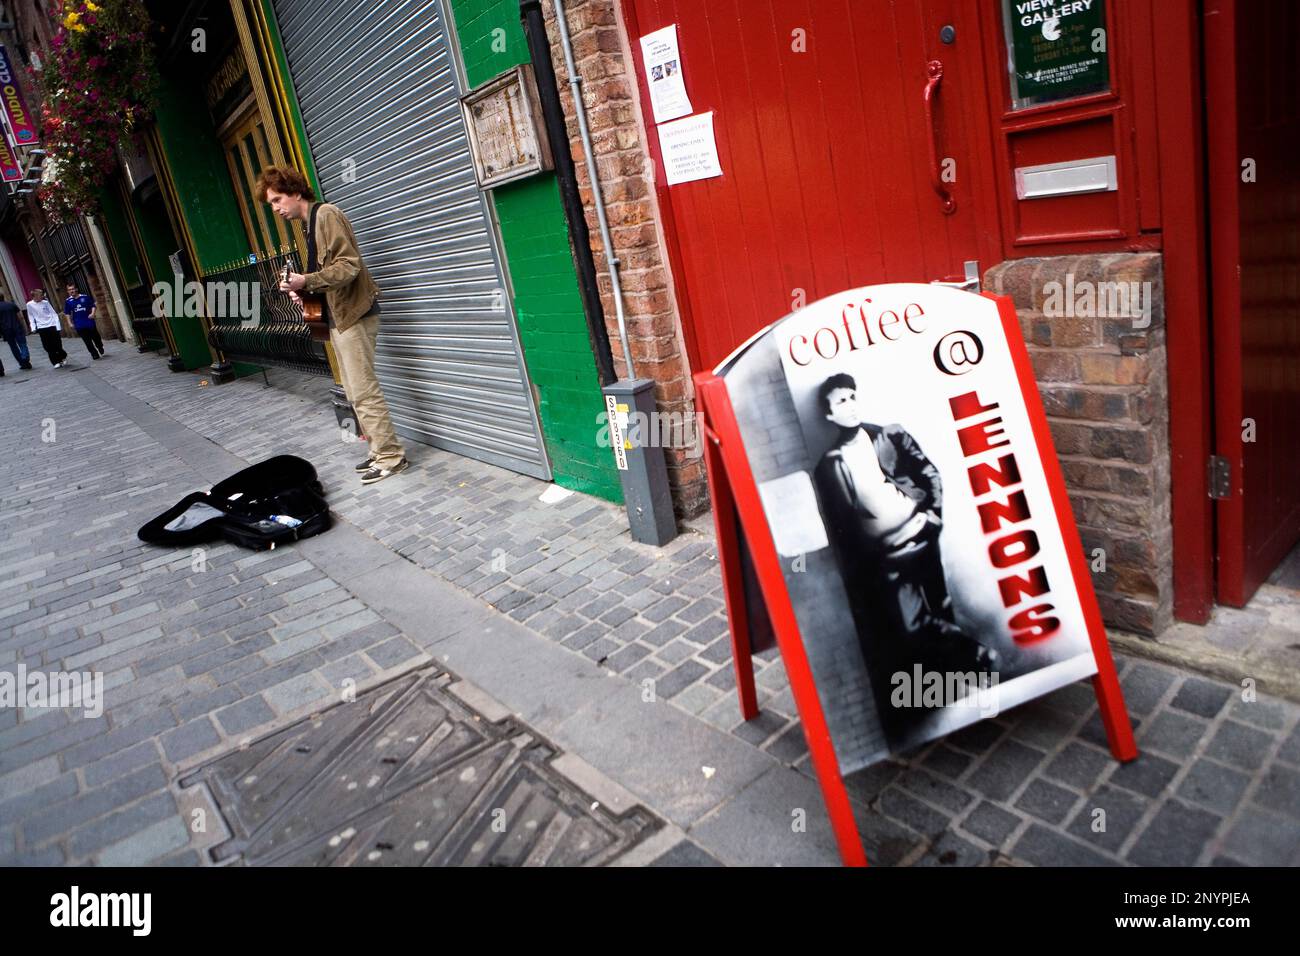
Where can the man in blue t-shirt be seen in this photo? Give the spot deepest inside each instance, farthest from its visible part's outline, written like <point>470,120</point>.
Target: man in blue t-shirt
<point>81,309</point>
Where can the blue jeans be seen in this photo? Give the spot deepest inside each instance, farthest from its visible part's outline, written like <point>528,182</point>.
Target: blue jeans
<point>18,344</point>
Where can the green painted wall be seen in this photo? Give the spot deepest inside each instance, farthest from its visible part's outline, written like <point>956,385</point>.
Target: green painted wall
<point>157,237</point>
<point>484,53</point>
<point>197,163</point>
<point>548,306</point>
<point>118,233</point>
<point>181,141</point>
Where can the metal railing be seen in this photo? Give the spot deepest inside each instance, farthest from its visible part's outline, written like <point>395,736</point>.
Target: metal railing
<point>66,245</point>
<point>278,336</point>
<point>148,330</point>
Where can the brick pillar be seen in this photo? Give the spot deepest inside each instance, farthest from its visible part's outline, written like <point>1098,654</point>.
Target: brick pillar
<point>104,308</point>
<point>1103,380</point>
<point>626,177</point>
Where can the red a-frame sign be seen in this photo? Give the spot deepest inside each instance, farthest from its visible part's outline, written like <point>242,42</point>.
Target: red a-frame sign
<point>738,508</point>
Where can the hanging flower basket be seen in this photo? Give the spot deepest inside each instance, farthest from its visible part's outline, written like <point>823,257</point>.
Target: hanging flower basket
<point>100,83</point>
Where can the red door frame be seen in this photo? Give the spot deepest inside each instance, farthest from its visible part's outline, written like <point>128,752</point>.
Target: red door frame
<point>1254,523</point>
<point>1179,120</point>
<point>1222,163</point>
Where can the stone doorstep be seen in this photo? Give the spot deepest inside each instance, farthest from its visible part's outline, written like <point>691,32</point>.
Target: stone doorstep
<point>1271,676</point>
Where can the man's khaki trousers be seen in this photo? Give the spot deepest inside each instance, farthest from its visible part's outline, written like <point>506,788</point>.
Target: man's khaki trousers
<point>355,351</point>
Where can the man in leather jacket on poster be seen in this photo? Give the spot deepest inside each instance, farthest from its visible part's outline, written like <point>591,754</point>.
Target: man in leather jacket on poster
<point>882,500</point>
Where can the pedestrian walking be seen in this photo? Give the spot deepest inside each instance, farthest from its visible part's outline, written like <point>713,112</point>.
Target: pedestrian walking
<point>351,306</point>
<point>80,307</point>
<point>45,323</point>
<point>14,332</point>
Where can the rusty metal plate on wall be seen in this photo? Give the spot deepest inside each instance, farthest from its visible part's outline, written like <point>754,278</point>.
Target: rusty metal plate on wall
<point>409,775</point>
<point>506,134</point>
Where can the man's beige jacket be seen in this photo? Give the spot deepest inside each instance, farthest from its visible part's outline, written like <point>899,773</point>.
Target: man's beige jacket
<point>342,275</point>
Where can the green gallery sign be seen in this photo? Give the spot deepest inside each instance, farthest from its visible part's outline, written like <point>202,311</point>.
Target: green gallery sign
<point>1058,49</point>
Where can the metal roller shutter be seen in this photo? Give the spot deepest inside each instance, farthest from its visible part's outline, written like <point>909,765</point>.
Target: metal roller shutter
<point>378,93</point>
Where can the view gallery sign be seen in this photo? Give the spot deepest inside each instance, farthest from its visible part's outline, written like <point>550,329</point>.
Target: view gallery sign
<point>882,458</point>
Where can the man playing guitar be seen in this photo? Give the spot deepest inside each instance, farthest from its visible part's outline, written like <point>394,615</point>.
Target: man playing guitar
<point>351,308</point>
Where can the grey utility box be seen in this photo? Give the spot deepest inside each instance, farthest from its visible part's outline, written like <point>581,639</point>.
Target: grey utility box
<point>636,439</point>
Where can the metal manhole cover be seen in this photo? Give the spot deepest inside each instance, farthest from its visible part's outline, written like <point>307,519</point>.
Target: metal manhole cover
<point>409,775</point>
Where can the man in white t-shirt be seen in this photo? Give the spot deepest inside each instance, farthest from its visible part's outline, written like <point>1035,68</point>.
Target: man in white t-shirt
<point>46,323</point>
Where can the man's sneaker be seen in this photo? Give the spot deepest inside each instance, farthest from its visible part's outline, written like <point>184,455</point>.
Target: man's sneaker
<point>365,466</point>
<point>379,474</point>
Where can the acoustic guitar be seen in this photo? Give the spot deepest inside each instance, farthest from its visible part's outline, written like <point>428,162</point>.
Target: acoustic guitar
<point>313,310</point>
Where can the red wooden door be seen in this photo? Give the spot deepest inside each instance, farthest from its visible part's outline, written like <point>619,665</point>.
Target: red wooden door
<point>825,148</point>
<point>1253,105</point>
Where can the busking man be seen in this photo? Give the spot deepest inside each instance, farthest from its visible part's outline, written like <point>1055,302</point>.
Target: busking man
<point>336,269</point>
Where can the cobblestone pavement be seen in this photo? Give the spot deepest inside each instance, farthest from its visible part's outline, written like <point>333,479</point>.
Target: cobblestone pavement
<point>198,658</point>
<point>570,571</point>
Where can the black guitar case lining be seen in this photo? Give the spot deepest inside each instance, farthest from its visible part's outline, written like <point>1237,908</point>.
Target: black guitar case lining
<point>240,508</point>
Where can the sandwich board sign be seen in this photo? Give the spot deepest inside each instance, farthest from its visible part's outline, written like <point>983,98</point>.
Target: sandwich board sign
<point>882,460</point>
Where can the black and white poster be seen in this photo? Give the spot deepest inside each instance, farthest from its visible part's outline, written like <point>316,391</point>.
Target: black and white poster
<point>901,479</point>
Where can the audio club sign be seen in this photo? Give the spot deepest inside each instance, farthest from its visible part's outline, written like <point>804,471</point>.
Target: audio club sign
<point>15,108</point>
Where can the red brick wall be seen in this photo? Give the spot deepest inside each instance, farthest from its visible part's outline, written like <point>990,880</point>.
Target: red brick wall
<point>626,180</point>
<point>1104,386</point>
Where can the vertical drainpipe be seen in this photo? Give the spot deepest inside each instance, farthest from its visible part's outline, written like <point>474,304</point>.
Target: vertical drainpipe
<point>597,199</point>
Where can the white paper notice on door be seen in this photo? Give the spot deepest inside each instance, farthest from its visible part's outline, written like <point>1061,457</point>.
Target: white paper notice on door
<point>689,149</point>
<point>663,74</point>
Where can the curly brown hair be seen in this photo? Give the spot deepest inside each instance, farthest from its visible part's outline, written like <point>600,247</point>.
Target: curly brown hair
<point>284,179</point>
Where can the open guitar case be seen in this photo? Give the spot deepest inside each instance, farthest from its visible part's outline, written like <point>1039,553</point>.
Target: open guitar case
<point>241,508</point>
